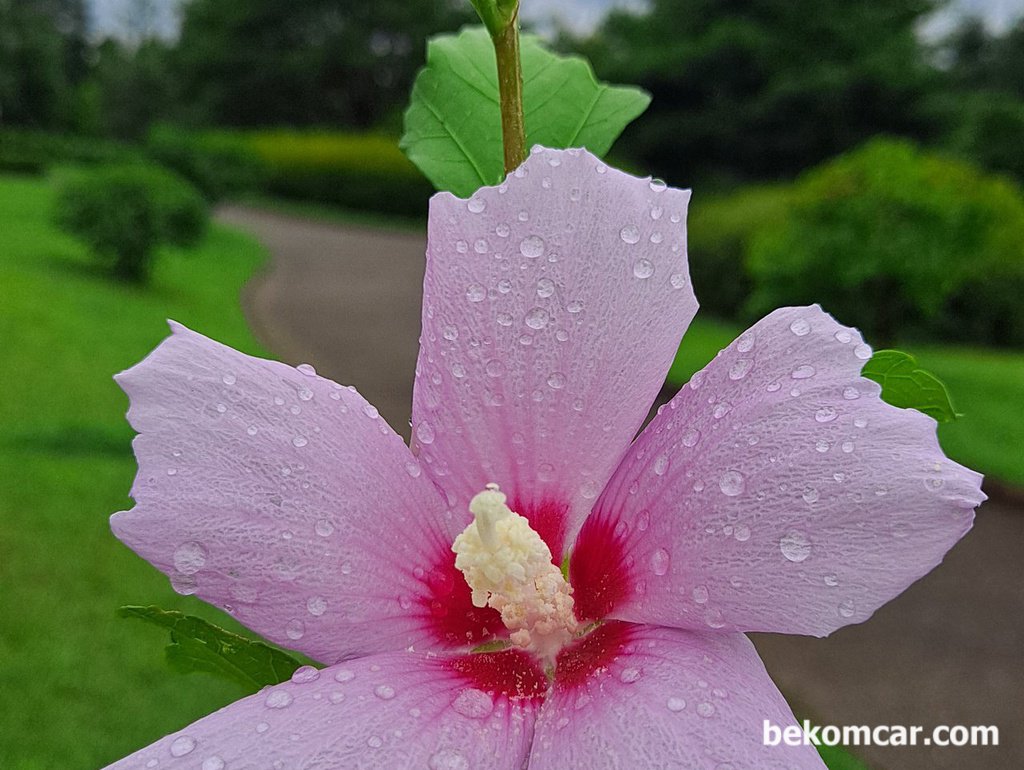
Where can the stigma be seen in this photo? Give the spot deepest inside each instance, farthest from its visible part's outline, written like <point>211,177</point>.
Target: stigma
<point>509,567</point>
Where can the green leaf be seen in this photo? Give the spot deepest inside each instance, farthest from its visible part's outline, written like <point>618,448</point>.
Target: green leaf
<point>453,123</point>
<point>197,645</point>
<point>838,758</point>
<point>906,385</point>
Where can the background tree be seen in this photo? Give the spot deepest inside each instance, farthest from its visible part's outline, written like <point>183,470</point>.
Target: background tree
<point>763,88</point>
<point>275,62</point>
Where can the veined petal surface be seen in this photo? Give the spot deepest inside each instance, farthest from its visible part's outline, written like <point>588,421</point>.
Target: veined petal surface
<point>646,697</point>
<point>394,710</point>
<point>285,499</point>
<point>553,306</point>
<point>776,492</point>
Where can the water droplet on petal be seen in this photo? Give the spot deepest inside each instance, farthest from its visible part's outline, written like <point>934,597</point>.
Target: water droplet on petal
<point>316,606</point>
<point>660,562</point>
<point>742,533</point>
<point>473,703</point>
<point>295,629</point>
<point>300,441</point>
<point>278,699</point>
<point>643,268</point>
<point>374,742</point>
<point>228,378</point>
<point>661,465</point>
<point>344,675</point>
<point>691,437</point>
<point>556,380</point>
<point>745,343</point>
<point>847,608</point>
<point>629,675</point>
<point>731,483</point>
<point>532,246</point>
<point>545,288</point>
<point>425,433</point>
<point>213,763</point>
<point>677,280</point>
<point>304,674</point>
<point>803,372</point>
<point>705,709</point>
<point>700,594</point>
<point>307,369</point>
<point>795,546</point>
<point>476,205</point>
<point>182,745</point>
<point>811,495</point>
<point>862,351</point>
<point>475,292</point>
<point>384,692</point>
<point>189,558</point>
<point>448,759</point>
<point>800,327</point>
<point>537,318</point>
<point>825,414</point>
<point>831,580</point>
<point>675,704</point>
<point>740,369</point>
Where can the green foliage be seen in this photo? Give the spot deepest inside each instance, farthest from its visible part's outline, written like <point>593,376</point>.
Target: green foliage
<point>359,171</point>
<point>906,385</point>
<point>30,151</point>
<point>763,89</point>
<point>66,463</point>
<point>719,229</point>
<point>453,124</point>
<point>989,130</point>
<point>219,163</point>
<point>198,645</point>
<point>838,758</point>
<point>123,213</point>
<point>248,63</point>
<point>892,239</point>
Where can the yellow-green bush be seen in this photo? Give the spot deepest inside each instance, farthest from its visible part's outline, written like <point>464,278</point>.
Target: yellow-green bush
<point>361,171</point>
<point>896,240</point>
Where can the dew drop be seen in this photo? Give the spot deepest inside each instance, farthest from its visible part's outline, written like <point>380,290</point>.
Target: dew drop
<point>800,327</point>
<point>661,465</point>
<point>556,380</point>
<point>300,441</point>
<point>803,372</point>
<point>630,234</point>
<point>476,205</point>
<point>307,369</point>
<point>846,608</point>
<point>278,699</point>
<point>847,447</point>
<point>384,692</point>
<point>305,674</point>
<point>316,605</point>
<point>629,675</point>
<point>660,562</point>
<point>252,430</point>
<point>643,268</point>
<point>831,580</point>
<point>344,675</point>
<point>677,280</point>
<point>532,246</point>
<point>374,742</point>
<point>537,318</point>
<point>825,414</point>
<point>691,437</point>
<point>475,292</point>
<point>843,336</point>
<point>189,558</point>
<point>447,759</point>
<point>213,763</point>
<point>705,709</point>
<point>182,745</point>
<point>675,705</point>
<point>745,343</point>
<point>425,433</point>
<point>295,629</point>
<point>731,483</point>
<point>545,288</point>
<point>851,393</point>
<point>502,230</point>
<point>742,533</point>
<point>740,369</point>
<point>574,307</point>
<point>795,546</point>
<point>228,379</point>
<point>323,527</point>
<point>473,703</point>
<point>810,495</point>
<point>862,351</point>
<point>700,594</point>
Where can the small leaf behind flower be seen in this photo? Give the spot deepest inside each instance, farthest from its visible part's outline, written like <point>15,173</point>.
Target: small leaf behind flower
<point>905,384</point>
<point>197,645</point>
<point>453,124</point>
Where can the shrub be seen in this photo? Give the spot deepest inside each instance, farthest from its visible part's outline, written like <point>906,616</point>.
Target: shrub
<point>219,163</point>
<point>719,229</point>
<point>990,132</point>
<point>35,151</point>
<point>360,171</point>
<point>123,213</point>
<point>891,238</point>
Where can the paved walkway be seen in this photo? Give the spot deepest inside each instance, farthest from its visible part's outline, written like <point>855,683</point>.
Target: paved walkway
<point>948,651</point>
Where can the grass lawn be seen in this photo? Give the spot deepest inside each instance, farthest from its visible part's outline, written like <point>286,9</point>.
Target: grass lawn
<point>987,388</point>
<point>79,687</point>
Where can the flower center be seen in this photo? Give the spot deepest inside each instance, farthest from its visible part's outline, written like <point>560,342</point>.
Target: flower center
<point>508,567</point>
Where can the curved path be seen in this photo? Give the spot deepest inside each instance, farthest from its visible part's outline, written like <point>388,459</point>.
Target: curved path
<point>949,651</point>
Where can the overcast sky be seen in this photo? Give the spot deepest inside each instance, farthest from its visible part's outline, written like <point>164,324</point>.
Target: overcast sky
<point>111,16</point>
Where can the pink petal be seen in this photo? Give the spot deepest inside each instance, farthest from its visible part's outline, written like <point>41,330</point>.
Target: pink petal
<point>394,710</point>
<point>776,492</point>
<point>552,308</point>
<point>286,500</point>
<point>647,697</point>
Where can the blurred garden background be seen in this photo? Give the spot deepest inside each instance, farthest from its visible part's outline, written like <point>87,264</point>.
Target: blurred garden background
<point>235,166</point>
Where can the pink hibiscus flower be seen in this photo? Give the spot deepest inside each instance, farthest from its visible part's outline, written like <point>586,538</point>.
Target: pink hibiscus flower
<point>776,492</point>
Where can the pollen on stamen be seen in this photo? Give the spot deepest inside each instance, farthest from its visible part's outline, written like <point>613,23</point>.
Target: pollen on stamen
<point>509,567</point>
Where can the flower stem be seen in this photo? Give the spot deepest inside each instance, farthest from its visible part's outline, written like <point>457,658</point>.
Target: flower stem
<point>510,88</point>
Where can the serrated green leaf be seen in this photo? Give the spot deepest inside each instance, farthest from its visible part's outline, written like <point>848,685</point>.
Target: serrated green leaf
<point>453,123</point>
<point>197,645</point>
<point>905,384</point>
